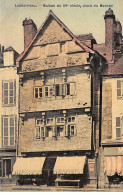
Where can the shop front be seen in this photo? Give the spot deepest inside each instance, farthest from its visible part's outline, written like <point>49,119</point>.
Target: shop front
<point>113,167</point>
<point>55,170</point>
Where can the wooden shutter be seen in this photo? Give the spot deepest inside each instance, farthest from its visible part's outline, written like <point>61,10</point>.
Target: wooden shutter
<point>118,127</point>
<point>118,88</point>
<point>63,89</point>
<point>72,88</point>
<point>37,132</point>
<point>14,92</point>
<point>54,90</point>
<point>2,129</point>
<point>72,133</point>
<point>2,92</point>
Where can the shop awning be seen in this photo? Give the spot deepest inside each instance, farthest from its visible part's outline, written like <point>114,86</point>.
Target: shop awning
<point>69,165</point>
<point>28,166</point>
<point>114,164</point>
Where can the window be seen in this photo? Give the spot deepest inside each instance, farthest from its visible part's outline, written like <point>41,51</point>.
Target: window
<point>49,121</point>
<point>60,120</point>
<point>48,91</point>
<point>72,130</point>
<point>70,89</point>
<point>71,119</point>
<point>49,131</point>
<point>38,92</point>
<point>9,124</point>
<point>118,127</point>
<point>9,92</point>
<point>60,130</point>
<point>119,89</point>
<point>40,129</point>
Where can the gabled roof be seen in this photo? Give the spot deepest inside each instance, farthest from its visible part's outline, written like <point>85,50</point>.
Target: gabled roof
<point>51,14</point>
<point>9,49</point>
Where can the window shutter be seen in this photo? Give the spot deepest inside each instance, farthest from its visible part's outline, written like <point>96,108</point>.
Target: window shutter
<point>2,129</point>
<point>118,127</point>
<point>118,88</point>
<point>54,132</point>
<point>2,92</point>
<point>122,89</point>
<point>60,89</point>
<point>63,89</point>
<point>66,130</point>
<point>54,90</point>
<point>37,132</point>
<point>14,92</point>
<point>72,88</point>
<point>72,131</point>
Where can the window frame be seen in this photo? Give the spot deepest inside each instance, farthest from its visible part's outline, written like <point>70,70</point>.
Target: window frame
<point>120,88</point>
<point>119,127</point>
<point>37,87</point>
<point>8,117</point>
<point>8,96</point>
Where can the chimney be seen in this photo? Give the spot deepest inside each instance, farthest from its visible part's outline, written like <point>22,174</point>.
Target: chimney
<point>109,34</point>
<point>30,29</point>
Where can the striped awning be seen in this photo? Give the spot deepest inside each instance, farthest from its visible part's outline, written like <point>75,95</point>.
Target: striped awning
<point>114,164</point>
<point>28,166</point>
<point>69,165</point>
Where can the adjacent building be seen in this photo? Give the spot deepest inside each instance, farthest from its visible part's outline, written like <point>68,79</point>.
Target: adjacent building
<point>59,83</point>
<point>9,83</point>
<point>111,132</point>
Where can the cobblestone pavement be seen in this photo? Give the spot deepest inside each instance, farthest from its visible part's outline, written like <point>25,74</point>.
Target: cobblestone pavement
<point>11,187</point>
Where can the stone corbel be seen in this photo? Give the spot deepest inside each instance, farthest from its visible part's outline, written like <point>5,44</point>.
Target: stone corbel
<point>43,117</point>
<point>42,76</point>
<point>21,79</point>
<point>22,116</point>
<point>65,114</point>
<point>64,75</point>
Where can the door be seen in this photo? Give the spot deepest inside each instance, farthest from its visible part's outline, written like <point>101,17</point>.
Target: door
<point>6,167</point>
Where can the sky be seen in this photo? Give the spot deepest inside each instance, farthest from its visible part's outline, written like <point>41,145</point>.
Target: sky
<point>80,16</point>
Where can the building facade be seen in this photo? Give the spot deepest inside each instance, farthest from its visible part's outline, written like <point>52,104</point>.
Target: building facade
<point>111,146</point>
<point>58,137</point>
<point>9,83</point>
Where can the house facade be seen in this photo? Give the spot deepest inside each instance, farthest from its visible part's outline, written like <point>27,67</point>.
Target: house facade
<point>59,92</point>
<point>9,82</point>
<point>111,148</point>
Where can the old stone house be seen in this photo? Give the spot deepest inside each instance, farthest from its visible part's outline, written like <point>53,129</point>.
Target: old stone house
<point>111,132</point>
<point>58,137</point>
<point>9,83</point>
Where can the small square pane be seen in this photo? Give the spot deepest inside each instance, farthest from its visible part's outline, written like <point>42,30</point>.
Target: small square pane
<point>11,100</point>
<point>5,141</point>
<point>11,92</point>
<point>5,100</point>
<point>5,85</point>
<point>12,141</point>
<point>5,122</point>
<point>11,85</point>
<point>11,121</point>
<point>6,93</point>
<point>117,121</point>
<point>5,131</point>
<point>11,131</point>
